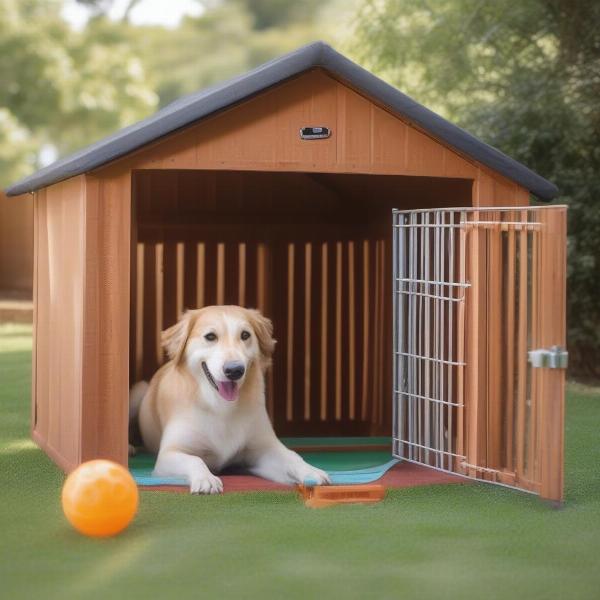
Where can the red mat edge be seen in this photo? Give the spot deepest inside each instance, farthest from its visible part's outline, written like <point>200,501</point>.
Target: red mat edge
<point>403,475</point>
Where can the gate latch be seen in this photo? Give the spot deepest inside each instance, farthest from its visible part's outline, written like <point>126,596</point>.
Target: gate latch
<point>552,358</point>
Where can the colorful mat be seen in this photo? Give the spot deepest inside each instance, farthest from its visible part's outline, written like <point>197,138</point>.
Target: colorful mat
<point>347,467</point>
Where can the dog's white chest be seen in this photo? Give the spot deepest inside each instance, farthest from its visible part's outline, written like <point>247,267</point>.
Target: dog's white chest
<point>217,439</point>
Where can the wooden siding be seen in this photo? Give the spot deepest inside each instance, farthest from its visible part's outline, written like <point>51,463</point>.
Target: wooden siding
<point>105,364</point>
<point>263,134</point>
<point>58,316</point>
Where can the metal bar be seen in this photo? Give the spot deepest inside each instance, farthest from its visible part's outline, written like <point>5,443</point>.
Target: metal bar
<point>475,209</point>
<point>413,395</point>
<point>410,342</point>
<point>463,284</point>
<point>431,358</point>
<point>429,448</point>
<point>441,236</point>
<point>434,296</point>
<point>449,380</point>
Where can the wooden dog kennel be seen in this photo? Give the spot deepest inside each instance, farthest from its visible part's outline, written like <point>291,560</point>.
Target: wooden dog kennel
<point>273,190</point>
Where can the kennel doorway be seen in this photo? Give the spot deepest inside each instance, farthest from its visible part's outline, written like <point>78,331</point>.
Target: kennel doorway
<point>479,334</point>
<point>312,251</point>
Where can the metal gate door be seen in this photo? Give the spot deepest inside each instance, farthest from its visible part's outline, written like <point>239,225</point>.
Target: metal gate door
<point>479,332</point>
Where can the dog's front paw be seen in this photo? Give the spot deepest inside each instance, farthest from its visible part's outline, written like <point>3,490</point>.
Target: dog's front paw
<point>205,483</point>
<point>309,475</point>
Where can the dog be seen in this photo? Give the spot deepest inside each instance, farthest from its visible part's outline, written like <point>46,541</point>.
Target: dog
<point>204,410</point>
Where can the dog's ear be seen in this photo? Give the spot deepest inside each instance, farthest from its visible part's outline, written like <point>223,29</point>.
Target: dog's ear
<point>263,328</point>
<point>175,338</point>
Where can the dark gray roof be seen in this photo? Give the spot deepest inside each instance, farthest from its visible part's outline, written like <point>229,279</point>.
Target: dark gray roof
<point>189,109</point>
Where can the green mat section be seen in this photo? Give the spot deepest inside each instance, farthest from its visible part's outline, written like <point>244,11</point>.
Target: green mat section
<point>329,461</point>
<point>297,442</point>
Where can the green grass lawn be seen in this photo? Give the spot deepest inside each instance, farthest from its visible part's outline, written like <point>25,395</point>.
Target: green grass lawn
<point>457,541</point>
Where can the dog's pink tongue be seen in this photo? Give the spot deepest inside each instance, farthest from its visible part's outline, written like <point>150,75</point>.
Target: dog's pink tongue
<point>228,389</point>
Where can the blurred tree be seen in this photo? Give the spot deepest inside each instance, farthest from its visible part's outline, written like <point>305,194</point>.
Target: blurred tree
<point>525,77</point>
<point>61,88</point>
<point>229,38</point>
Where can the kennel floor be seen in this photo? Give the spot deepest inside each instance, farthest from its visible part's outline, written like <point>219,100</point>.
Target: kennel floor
<point>348,460</point>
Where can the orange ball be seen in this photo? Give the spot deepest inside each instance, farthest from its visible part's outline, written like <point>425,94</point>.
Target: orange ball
<point>100,498</point>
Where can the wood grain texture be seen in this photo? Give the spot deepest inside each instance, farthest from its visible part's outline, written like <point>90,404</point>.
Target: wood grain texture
<point>59,336</point>
<point>105,360</point>
<point>261,134</point>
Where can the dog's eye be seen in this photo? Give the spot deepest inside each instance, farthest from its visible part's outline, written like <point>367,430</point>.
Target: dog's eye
<point>210,337</point>
<point>245,335</point>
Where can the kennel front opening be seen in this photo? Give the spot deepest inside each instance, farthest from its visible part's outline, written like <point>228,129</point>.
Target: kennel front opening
<point>311,250</point>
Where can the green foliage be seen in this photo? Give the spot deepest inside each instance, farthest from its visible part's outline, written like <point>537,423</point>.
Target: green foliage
<point>61,88</point>
<point>525,77</point>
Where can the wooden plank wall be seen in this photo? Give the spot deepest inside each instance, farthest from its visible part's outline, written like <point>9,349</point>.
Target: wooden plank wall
<point>58,326</point>
<point>261,134</point>
<point>105,359</point>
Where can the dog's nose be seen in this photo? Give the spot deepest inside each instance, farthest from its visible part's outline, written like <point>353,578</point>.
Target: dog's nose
<point>233,369</point>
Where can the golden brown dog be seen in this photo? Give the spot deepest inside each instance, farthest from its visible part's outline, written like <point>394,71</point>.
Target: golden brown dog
<point>205,409</point>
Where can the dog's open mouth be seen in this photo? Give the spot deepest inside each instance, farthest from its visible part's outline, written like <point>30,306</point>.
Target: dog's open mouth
<point>228,390</point>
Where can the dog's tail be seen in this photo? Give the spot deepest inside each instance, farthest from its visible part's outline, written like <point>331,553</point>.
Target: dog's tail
<point>136,395</point>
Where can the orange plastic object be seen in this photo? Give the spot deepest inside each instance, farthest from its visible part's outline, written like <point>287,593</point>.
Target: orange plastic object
<point>321,496</point>
<point>100,498</point>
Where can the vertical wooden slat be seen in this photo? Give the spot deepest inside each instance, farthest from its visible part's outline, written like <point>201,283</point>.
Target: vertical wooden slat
<point>375,316</point>
<point>241,285</point>
<point>535,374</point>
<point>278,381</point>
<point>521,359</point>
<point>169,295</point>
<point>475,373</point>
<point>210,274</point>
<point>366,318</point>
<point>159,293</point>
<point>338,331</point>
<point>358,318</point>
<point>220,273</point>
<point>351,352</point>
<point>509,342</point>
<point>332,339</point>
<point>180,258</point>
<point>290,320</point>
<point>139,314</point>
<point>324,328</point>
<point>307,327</point>
<point>231,266</point>
<point>553,332</point>
<point>494,341</point>
<point>149,315</point>
<point>251,275</point>
<point>297,329</point>
<point>200,274</point>
<point>190,271</point>
<point>315,332</point>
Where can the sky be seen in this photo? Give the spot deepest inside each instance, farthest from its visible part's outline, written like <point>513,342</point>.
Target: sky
<point>147,12</point>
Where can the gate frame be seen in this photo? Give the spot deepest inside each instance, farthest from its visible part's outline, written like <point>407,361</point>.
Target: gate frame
<point>480,266</point>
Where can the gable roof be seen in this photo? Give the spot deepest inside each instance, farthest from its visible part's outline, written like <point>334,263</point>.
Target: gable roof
<point>190,109</point>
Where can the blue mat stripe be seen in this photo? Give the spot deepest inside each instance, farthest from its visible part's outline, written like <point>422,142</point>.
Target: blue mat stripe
<point>142,477</point>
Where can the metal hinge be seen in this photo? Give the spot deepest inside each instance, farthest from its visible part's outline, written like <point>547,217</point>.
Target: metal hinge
<point>551,358</point>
